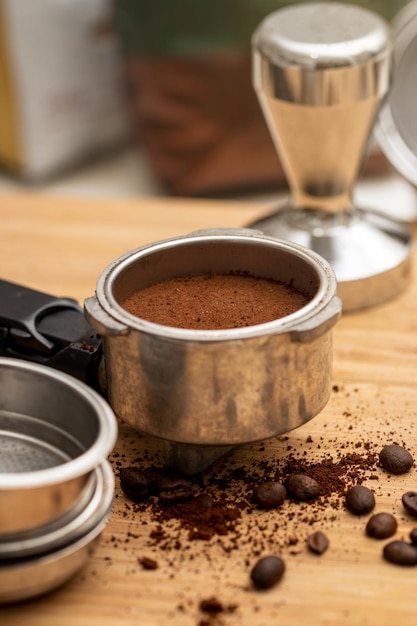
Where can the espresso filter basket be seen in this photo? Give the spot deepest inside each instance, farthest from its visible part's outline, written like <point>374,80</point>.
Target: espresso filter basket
<point>56,486</point>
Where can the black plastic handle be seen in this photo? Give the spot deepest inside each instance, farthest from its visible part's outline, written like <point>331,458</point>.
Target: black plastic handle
<point>45,329</point>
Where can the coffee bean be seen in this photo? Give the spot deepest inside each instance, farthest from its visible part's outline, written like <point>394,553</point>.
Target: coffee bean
<point>175,496</point>
<point>317,542</point>
<point>302,487</point>
<point>400,552</point>
<point>395,459</point>
<point>164,480</point>
<point>409,501</point>
<point>135,483</point>
<point>171,488</point>
<point>269,495</point>
<point>413,536</point>
<point>360,500</point>
<point>381,526</point>
<point>267,572</point>
<point>140,484</point>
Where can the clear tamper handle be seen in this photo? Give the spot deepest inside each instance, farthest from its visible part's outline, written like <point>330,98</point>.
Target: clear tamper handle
<point>321,71</point>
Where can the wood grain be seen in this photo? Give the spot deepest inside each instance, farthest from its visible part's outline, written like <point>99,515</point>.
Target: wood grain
<point>60,246</point>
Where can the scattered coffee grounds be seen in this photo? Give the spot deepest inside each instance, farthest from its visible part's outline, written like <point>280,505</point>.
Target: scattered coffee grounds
<point>381,526</point>
<point>360,500</point>
<point>215,301</point>
<point>148,563</point>
<point>400,552</point>
<point>201,522</point>
<point>332,475</point>
<point>413,536</point>
<point>409,501</point>
<point>267,572</point>
<point>221,532</point>
<point>211,605</point>
<point>269,495</point>
<point>205,517</point>
<point>204,500</point>
<point>212,608</point>
<point>302,487</point>
<point>395,459</point>
<point>317,542</point>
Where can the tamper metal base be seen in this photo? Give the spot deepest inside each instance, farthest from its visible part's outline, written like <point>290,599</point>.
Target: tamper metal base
<point>370,254</point>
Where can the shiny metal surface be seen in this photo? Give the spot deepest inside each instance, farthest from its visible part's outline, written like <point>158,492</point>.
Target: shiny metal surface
<point>78,521</point>
<point>322,35</point>
<point>205,391</point>
<point>38,569</point>
<point>396,129</point>
<point>320,71</point>
<point>54,431</point>
<point>369,253</point>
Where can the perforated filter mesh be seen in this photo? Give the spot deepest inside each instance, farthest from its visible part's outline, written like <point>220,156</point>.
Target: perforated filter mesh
<point>27,454</point>
<point>29,444</point>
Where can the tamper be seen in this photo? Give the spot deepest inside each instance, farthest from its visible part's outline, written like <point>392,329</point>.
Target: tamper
<point>321,72</point>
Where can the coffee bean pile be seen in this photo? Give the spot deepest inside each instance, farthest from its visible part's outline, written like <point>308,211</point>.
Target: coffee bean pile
<point>205,516</point>
<point>203,558</point>
<point>400,551</point>
<point>360,500</point>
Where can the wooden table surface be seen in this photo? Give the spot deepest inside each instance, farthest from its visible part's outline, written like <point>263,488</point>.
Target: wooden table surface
<point>60,246</point>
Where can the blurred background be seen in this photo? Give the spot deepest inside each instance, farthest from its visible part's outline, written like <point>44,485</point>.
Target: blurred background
<point>139,97</point>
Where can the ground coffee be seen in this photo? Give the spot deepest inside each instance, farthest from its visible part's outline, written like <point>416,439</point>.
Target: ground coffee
<point>215,301</point>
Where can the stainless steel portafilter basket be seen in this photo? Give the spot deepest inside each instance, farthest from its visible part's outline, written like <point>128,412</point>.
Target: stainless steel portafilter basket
<point>321,71</point>
<point>37,562</point>
<point>54,432</point>
<point>204,391</point>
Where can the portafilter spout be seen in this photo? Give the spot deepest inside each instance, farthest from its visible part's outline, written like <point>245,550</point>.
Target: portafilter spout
<point>321,71</point>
